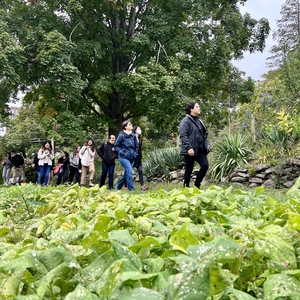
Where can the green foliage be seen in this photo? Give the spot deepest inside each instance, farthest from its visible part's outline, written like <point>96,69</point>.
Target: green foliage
<point>75,243</point>
<point>161,161</point>
<point>231,152</point>
<point>116,60</point>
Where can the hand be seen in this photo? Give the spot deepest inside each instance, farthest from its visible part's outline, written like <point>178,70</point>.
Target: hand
<point>191,152</point>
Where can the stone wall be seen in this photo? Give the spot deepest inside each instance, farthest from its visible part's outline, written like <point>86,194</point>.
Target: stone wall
<point>283,175</point>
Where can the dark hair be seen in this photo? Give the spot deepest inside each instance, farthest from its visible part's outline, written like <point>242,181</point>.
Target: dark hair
<point>93,145</point>
<point>125,123</point>
<point>8,154</point>
<point>190,106</point>
<point>66,153</point>
<point>135,128</point>
<point>47,142</point>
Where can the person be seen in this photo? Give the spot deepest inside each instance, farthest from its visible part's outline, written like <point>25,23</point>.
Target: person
<point>127,148</point>
<point>64,170</point>
<point>108,153</point>
<point>87,155</point>
<point>7,166</point>
<point>74,165</point>
<point>138,161</point>
<point>17,161</point>
<point>192,134</point>
<point>45,157</point>
<point>35,164</point>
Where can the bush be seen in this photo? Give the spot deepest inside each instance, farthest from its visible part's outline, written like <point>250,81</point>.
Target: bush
<point>231,152</point>
<point>161,161</point>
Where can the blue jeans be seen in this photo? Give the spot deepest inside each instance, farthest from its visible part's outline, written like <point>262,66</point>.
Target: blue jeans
<point>127,177</point>
<point>110,169</point>
<point>44,174</point>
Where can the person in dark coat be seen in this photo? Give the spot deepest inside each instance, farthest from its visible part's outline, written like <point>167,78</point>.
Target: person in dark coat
<point>193,134</point>
<point>64,170</point>
<point>138,161</point>
<point>108,154</point>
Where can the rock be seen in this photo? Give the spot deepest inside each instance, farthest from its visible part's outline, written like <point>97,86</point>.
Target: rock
<point>173,175</point>
<point>238,179</point>
<point>237,184</point>
<point>244,175</point>
<point>288,184</point>
<point>253,185</point>
<point>269,170</point>
<point>255,180</point>
<point>261,167</point>
<point>269,184</point>
<point>261,175</point>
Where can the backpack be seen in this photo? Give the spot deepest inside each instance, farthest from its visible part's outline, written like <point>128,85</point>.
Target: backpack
<point>57,169</point>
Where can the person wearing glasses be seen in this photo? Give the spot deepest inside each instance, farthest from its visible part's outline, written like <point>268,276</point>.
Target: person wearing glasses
<point>127,148</point>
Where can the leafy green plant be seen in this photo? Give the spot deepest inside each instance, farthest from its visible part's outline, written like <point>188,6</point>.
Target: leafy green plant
<point>231,152</point>
<point>162,161</point>
<point>90,243</point>
<point>274,137</point>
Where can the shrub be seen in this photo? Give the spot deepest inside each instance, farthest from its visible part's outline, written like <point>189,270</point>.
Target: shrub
<point>231,152</point>
<point>161,161</point>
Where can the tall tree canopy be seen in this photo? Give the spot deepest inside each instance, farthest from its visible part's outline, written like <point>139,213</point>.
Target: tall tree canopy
<point>107,61</point>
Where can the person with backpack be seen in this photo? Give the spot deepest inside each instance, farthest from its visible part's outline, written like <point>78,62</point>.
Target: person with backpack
<point>108,154</point>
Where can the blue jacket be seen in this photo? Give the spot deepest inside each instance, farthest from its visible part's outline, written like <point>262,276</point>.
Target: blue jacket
<point>127,146</point>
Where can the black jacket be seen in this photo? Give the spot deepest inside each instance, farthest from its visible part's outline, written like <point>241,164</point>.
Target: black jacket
<point>108,153</point>
<point>17,160</point>
<point>191,136</point>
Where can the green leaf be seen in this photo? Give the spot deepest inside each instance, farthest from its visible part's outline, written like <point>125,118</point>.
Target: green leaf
<point>183,238</point>
<point>281,285</point>
<point>142,293</point>
<point>189,286</point>
<point>122,236</point>
<point>80,293</point>
<point>219,250</point>
<point>132,262</point>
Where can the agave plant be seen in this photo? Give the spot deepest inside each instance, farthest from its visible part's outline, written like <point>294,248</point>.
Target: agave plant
<point>162,161</point>
<point>231,152</point>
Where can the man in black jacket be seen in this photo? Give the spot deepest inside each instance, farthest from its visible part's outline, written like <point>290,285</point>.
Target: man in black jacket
<point>17,161</point>
<point>193,134</point>
<point>108,154</point>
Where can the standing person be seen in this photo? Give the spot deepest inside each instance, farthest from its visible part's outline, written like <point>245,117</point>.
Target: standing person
<point>64,170</point>
<point>87,155</point>
<point>192,134</point>
<point>108,153</point>
<point>45,156</point>
<point>35,164</point>
<point>74,165</point>
<point>138,161</point>
<point>7,166</point>
<point>127,148</point>
<point>17,161</point>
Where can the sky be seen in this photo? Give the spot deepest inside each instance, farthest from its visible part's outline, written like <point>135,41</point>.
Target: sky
<point>255,64</point>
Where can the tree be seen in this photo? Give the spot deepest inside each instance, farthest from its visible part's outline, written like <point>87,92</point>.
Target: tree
<point>112,60</point>
<point>287,34</point>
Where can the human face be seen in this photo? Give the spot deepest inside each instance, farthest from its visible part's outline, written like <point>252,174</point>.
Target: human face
<point>196,110</point>
<point>112,139</point>
<point>47,145</point>
<point>128,126</point>
<point>90,143</point>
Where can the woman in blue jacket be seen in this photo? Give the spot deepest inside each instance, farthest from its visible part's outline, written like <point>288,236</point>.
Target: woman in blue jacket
<point>127,148</point>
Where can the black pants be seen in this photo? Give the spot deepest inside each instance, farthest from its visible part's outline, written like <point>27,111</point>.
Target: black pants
<point>201,159</point>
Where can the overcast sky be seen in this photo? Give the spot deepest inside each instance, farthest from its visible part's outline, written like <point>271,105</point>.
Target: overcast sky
<point>255,64</point>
